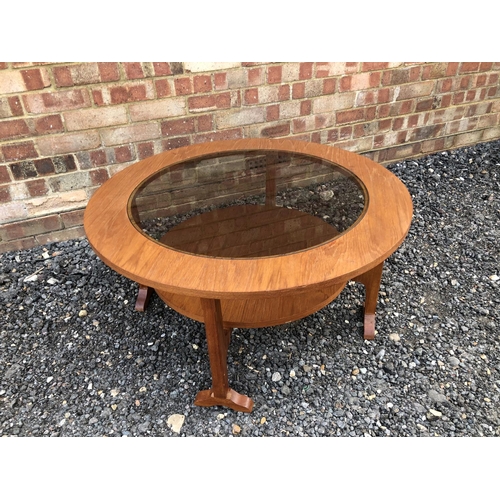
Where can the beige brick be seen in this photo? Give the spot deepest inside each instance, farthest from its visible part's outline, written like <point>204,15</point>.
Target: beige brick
<point>289,109</point>
<point>206,67</point>
<point>413,90</point>
<point>62,202</point>
<point>95,118</point>
<point>357,145</point>
<point>290,72</point>
<point>313,88</point>
<point>157,109</point>
<point>469,138</point>
<point>65,234</point>
<point>131,133</point>
<point>491,134</point>
<point>18,191</point>
<point>237,78</point>
<point>268,94</point>
<point>68,143</point>
<point>11,81</point>
<point>236,118</point>
<point>13,211</point>
<point>50,102</point>
<point>85,73</point>
<point>328,103</point>
<point>22,244</point>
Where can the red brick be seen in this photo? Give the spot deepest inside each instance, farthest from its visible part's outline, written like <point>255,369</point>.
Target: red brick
<point>133,70</point>
<point>108,71</point>
<point>202,83</point>
<point>274,74</point>
<point>276,131</point>
<point>44,166</point>
<point>458,97</point>
<point>445,85</point>
<point>305,70</point>
<point>201,102</point>
<point>471,95</point>
<point>204,123</point>
<point>485,66</point>
<point>15,106</point>
<point>223,100</point>
<point>464,82</point>
<point>481,80</point>
<point>33,79</point>
<point>97,96</point>
<point>123,154</point>
<point>220,80</point>
<point>299,125</point>
<point>398,123</point>
<point>452,69</point>
<point>298,90</point>
<point>98,158</point>
<point>329,85</point>
<point>37,187</point>
<point>424,105</point>
<point>3,65</point>
<point>56,101</point>
<point>162,88</point>
<point>255,76</point>
<point>19,151</point>
<point>98,176</point>
<point>72,219</point>
<point>183,86</point>
<point>62,76</point>
<point>373,66</point>
<point>350,116</point>
<point>252,96</point>
<point>370,113</point>
<point>177,142</point>
<point>145,150</point>
<point>132,93</point>
<point>13,128</point>
<point>384,125</point>
<point>493,91</point>
<point>316,137</point>
<point>305,107</point>
<point>469,66</point>
<point>493,79</point>
<point>345,83</point>
<point>223,135</point>
<point>5,194</point>
<point>48,124</point>
<point>446,100</point>
<point>272,113</point>
<point>4,174</point>
<point>345,133</point>
<point>162,69</point>
<point>182,126</point>
<point>284,93</point>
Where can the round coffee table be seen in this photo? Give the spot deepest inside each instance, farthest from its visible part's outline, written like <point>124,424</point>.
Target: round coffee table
<point>249,233</point>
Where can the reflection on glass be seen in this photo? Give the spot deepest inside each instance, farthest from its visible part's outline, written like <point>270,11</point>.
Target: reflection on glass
<point>249,204</point>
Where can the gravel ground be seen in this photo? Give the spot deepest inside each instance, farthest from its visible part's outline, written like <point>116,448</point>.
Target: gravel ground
<point>77,360</point>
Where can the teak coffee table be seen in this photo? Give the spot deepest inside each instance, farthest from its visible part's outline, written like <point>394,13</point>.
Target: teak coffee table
<point>249,233</point>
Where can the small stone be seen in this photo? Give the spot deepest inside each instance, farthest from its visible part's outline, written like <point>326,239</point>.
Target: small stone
<point>236,429</point>
<point>355,371</point>
<point>114,407</point>
<point>50,379</point>
<point>292,373</point>
<point>114,392</point>
<point>389,368</point>
<point>307,368</point>
<point>46,255</point>
<point>220,416</point>
<point>142,389</point>
<point>437,397</point>
<point>494,277</point>
<point>82,313</point>
<point>276,377</point>
<point>52,281</point>
<point>263,420</point>
<point>433,415</point>
<point>326,195</point>
<point>286,390</point>
<point>195,347</point>
<point>93,420</point>
<point>175,422</point>
<point>394,337</point>
<point>380,354</point>
<point>453,361</point>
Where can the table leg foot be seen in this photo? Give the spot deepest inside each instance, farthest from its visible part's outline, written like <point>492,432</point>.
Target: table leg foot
<point>369,327</point>
<point>233,400</point>
<point>371,280</point>
<point>143,297</point>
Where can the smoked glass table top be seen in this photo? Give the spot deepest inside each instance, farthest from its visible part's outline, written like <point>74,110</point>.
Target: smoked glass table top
<point>248,204</point>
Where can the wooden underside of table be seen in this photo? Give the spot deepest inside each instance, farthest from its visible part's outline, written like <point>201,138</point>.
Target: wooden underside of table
<point>257,313</point>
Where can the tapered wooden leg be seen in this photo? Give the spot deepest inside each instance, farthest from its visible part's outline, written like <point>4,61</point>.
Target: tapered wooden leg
<point>371,280</point>
<point>218,339</point>
<point>143,297</point>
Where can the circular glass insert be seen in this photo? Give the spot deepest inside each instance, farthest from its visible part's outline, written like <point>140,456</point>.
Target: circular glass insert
<point>247,204</point>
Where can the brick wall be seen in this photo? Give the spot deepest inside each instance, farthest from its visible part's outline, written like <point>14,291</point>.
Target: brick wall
<point>67,127</point>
